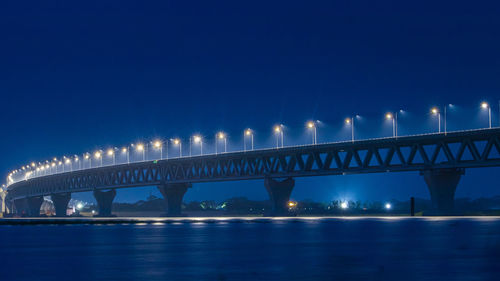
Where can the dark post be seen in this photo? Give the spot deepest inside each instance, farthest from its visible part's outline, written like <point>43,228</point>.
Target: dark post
<point>412,208</point>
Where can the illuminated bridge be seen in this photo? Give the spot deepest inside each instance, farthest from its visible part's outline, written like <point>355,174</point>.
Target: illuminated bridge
<point>440,158</point>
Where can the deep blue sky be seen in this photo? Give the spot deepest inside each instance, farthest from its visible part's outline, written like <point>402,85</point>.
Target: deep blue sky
<point>77,77</point>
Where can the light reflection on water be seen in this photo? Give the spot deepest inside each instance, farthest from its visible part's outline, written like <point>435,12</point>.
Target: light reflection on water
<point>258,249</point>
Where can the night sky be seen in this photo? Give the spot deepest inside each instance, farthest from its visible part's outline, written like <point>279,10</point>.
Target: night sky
<point>87,76</point>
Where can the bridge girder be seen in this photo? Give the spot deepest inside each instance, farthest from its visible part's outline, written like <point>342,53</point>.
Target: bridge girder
<point>471,149</point>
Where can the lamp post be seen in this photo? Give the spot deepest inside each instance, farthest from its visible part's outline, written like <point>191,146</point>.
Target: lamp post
<point>220,136</point>
<point>68,161</point>
<point>278,130</point>
<point>126,150</point>
<point>312,126</point>
<point>111,153</point>
<point>140,148</point>
<point>179,143</point>
<point>158,145</point>
<point>435,111</point>
<point>485,105</point>
<point>350,121</point>
<point>87,157</point>
<point>390,116</point>
<point>79,162</point>
<point>98,155</point>
<point>248,133</point>
<point>196,139</point>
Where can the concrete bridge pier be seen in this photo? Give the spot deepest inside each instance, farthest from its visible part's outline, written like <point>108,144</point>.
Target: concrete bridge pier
<point>442,184</point>
<point>20,207</point>
<point>61,201</point>
<point>104,201</point>
<point>173,194</point>
<point>279,194</point>
<point>34,204</point>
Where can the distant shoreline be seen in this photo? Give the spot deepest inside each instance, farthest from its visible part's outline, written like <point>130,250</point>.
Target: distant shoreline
<point>171,220</point>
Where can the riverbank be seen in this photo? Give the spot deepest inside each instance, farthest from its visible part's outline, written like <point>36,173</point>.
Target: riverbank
<point>169,220</point>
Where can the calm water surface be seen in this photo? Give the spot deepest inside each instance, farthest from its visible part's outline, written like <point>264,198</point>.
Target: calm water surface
<point>323,249</point>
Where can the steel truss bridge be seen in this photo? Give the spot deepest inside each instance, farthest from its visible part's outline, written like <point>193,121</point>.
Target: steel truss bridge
<point>441,158</point>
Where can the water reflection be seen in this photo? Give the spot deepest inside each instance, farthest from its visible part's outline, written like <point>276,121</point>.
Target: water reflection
<point>257,249</point>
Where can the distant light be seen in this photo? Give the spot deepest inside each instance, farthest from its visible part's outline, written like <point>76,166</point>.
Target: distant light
<point>140,147</point>
<point>86,156</point>
<point>97,154</point>
<point>111,152</point>
<point>79,206</point>
<point>310,124</point>
<point>124,149</point>
<point>93,211</point>
<point>292,204</point>
<point>53,164</point>
<point>177,141</point>
<point>348,121</point>
<point>277,128</point>
<point>388,206</point>
<point>344,205</point>
<point>221,135</point>
<point>76,158</point>
<point>434,110</point>
<point>60,163</point>
<point>197,139</point>
<point>248,132</point>
<point>389,116</point>
<point>68,161</point>
<point>47,166</point>
<point>33,164</point>
<point>157,144</point>
<point>484,105</point>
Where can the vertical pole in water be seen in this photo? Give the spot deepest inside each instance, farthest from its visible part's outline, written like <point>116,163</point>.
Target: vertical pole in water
<point>412,208</point>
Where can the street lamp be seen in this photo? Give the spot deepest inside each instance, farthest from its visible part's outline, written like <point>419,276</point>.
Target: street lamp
<point>435,111</point>
<point>79,162</point>
<point>248,133</point>
<point>393,118</point>
<point>312,126</point>
<point>196,139</point>
<point>158,145</point>
<point>350,121</point>
<point>220,136</point>
<point>87,157</point>
<point>126,150</point>
<point>111,153</point>
<point>485,105</point>
<point>68,161</point>
<point>278,130</point>
<point>140,148</point>
<point>98,155</point>
<point>179,143</point>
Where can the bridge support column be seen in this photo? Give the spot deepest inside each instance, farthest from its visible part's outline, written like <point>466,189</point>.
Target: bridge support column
<point>34,204</point>
<point>279,193</point>
<point>20,207</point>
<point>173,194</point>
<point>442,184</point>
<point>104,201</point>
<point>61,201</point>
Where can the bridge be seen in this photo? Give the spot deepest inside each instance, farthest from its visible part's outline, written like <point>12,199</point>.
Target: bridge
<point>441,158</point>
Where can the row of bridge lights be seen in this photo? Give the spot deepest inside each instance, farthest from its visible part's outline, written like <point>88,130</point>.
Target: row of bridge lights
<point>51,167</point>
